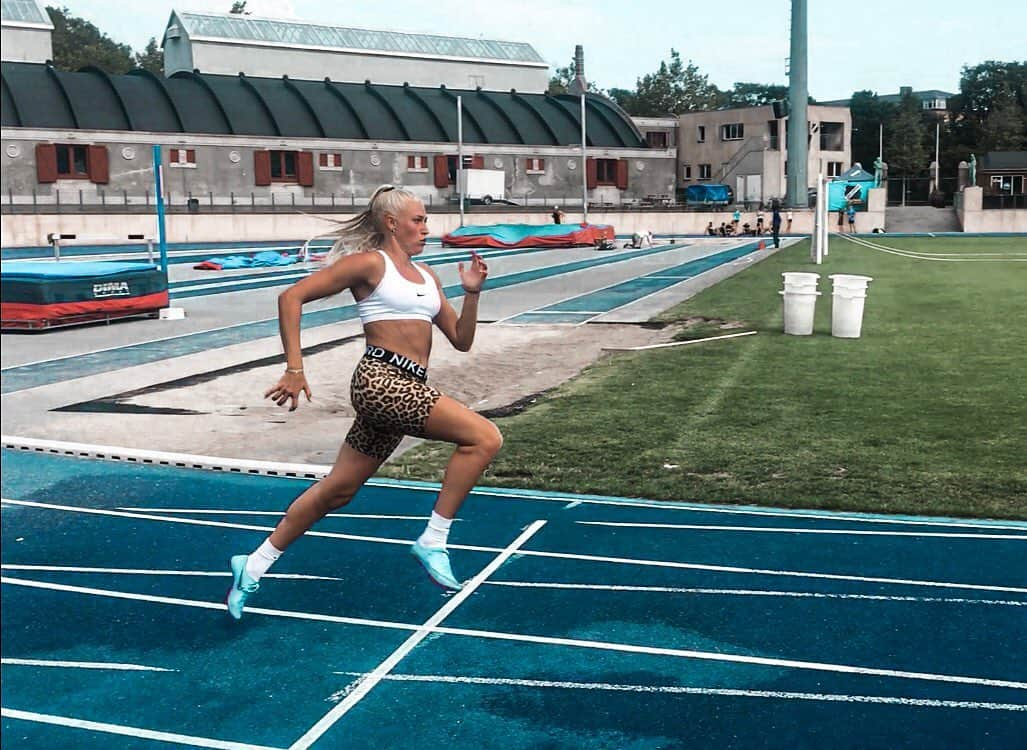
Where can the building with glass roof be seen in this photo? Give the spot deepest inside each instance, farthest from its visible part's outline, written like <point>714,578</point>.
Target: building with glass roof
<point>26,30</point>
<point>229,44</point>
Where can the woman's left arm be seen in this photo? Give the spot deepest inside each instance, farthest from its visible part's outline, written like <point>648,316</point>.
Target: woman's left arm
<point>460,330</point>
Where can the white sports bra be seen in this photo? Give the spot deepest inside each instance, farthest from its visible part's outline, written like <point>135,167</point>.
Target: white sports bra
<point>396,298</point>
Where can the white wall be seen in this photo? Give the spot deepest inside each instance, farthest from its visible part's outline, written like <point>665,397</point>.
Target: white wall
<point>19,230</point>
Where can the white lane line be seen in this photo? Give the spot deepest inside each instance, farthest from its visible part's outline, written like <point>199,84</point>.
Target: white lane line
<point>672,506</point>
<point>929,257</point>
<point>524,638</point>
<point>673,344</point>
<point>317,471</point>
<point>83,665</point>
<point>225,524</point>
<point>767,572</point>
<point>276,513</point>
<point>681,690</point>
<point>155,572</point>
<point>368,683</point>
<point>781,530</point>
<point>534,553</point>
<point>199,604</point>
<point>146,734</point>
<point>749,592</point>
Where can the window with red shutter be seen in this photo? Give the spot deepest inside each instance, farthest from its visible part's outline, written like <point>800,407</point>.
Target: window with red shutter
<point>46,162</point>
<point>591,173</point>
<point>71,162</point>
<point>190,156</point>
<point>322,160</point>
<point>478,162</point>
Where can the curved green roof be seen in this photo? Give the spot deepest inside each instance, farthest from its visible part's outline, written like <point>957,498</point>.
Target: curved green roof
<point>39,96</point>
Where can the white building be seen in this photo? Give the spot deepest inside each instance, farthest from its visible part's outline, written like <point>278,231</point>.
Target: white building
<point>229,44</point>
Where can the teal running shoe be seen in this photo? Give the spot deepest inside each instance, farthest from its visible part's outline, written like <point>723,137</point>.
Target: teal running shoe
<point>242,587</point>
<point>435,562</point>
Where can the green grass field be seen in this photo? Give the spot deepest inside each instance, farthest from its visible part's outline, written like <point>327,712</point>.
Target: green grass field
<point>925,414</point>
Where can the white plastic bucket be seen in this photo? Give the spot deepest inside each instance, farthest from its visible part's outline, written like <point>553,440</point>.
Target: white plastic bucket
<point>798,312</point>
<point>850,282</point>
<point>847,315</point>
<point>848,297</point>
<point>796,281</point>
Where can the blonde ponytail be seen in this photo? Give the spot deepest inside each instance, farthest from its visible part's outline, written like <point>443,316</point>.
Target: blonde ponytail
<point>366,230</point>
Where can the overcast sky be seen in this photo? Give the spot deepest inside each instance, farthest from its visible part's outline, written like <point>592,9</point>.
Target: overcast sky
<point>871,44</point>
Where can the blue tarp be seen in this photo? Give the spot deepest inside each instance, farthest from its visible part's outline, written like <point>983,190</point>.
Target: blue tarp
<point>711,193</point>
<point>257,260</point>
<point>841,192</point>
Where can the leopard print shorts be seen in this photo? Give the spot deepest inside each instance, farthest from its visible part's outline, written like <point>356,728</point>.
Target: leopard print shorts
<point>390,403</point>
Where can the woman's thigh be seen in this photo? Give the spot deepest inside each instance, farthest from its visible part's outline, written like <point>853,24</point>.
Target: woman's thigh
<point>453,422</point>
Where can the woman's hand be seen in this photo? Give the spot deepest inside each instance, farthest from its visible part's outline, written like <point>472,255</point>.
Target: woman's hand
<point>289,387</point>
<point>473,277</point>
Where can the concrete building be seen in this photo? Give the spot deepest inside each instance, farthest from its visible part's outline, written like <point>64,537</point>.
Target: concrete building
<point>745,148</point>
<point>85,137</point>
<point>25,31</point>
<point>229,44</point>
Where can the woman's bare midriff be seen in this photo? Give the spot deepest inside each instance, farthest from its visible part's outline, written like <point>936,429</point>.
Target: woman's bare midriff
<point>411,338</point>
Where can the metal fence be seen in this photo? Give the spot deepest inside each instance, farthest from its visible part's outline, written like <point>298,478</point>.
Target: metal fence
<point>99,200</point>
<point>1004,200</point>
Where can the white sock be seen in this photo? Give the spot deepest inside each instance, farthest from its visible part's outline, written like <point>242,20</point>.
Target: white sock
<point>262,559</point>
<point>436,532</point>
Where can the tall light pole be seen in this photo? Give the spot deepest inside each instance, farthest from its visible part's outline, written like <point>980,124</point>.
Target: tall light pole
<point>797,194</point>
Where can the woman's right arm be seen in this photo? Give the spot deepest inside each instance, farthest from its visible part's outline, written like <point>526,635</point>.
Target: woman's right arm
<point>345,273</point>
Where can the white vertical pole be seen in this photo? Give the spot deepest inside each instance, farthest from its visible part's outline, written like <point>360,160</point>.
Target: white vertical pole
<point>825,216</point>
<point>584,165</point>
<point>460,153</point>
<point>880,141</point>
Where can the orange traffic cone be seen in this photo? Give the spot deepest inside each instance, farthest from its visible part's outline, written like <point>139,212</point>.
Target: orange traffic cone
<point>762,245</point>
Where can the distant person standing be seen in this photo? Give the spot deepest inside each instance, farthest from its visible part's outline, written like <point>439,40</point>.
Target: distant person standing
<point>789,227</point>
<point>759,222</point>
<point>841,220</point>
<point>775,227</point>
<point>711,230</point>
<point>557,215</point>
<point>851,213</point>
<point>736,217</point>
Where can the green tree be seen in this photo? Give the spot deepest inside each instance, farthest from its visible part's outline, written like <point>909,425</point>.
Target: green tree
<point>77,43</point>
<point>673,89</point>
<point>561,79</point>
<point>980,86</point>
<point>624,98</point>
<point>1003,128</point>
<point>906,134</point>
<point>755,94</point>
<point>239,8</point>
<point>868,113</point>
<point>151,58</point>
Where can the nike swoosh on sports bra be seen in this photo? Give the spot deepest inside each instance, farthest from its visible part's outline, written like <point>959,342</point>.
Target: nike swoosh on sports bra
<point>396,298</point>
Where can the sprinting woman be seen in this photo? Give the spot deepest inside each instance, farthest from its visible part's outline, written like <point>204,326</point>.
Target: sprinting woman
<point>398,301</point>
